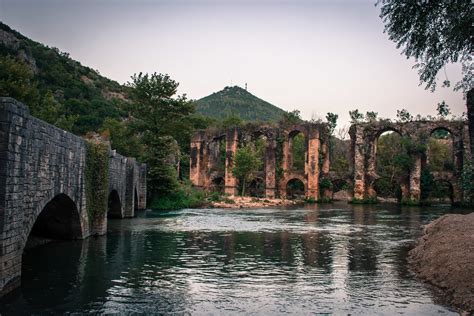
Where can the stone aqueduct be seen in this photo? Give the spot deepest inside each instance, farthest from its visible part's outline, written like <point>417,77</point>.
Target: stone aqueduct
<point>362,174</point>
<point>43,191</point>
<point>205,157</point>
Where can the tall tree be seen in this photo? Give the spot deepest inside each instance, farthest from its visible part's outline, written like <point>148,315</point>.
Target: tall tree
<point>435,33</point>
<point>159,116</point>
<point>246,164</point>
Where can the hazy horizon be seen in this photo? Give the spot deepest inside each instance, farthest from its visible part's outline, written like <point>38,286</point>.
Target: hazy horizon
<point>315,56</point>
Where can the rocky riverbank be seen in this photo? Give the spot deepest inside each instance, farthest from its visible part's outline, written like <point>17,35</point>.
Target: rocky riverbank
<point>444,257</point>
<point>251,202</point>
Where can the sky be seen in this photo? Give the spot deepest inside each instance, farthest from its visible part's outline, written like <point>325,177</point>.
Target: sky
<point>314,56</point>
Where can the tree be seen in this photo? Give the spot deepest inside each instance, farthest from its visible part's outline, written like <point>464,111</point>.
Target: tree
<point>17,81</point>
<point>371,116</point>
<point>332,121</point>
<point>246,164</point>
<point>435,33</point>
<point>356,116</point>
<point>443,110</point>
<point>160,118</point>
<point>404,116</point>
<point>291,117</point>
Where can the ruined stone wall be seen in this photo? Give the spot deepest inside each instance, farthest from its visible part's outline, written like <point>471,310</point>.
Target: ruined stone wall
<point>37,163</point>
<point>204,157</point>
<point>364,138</point>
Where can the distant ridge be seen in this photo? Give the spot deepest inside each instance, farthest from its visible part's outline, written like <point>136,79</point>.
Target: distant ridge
<point>236,100</point>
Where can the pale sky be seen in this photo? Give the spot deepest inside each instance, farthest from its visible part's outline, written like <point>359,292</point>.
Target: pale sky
<point>315,56</point>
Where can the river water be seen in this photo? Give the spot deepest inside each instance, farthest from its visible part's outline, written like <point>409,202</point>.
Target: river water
<point>316,259</point>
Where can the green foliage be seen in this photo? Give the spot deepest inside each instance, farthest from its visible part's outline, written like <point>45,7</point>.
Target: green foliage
<point>371,116</point>
<point>426,183</point>
<point>298,152</point>
<point>440,154</point>
<point>290,118</point>
<point>17,80</point>
<point>246,164</point>
<point>122,137</point>
<point>331,118</point>
<point>232,120</point>
<point>356,116</point>
<point>325,184</point>
<point>364,201</point>
<point>183,197</point>
<point>239,101</point>
<point>160,118</point>
<point>435,33</point>
<point>404,116</point>
<point>443,110</point>
<point>56,88</point>
<point>96,178</point>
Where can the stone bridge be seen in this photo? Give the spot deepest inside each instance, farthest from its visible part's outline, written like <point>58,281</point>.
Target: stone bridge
<point>278,171</point>
<point>43,188</point>
<point>364,138</point>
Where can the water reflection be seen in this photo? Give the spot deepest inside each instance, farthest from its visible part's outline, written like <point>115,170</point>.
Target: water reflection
<point>318,258</point>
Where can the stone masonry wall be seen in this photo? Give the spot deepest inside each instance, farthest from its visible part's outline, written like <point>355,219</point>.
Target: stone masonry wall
<point>37,163</point>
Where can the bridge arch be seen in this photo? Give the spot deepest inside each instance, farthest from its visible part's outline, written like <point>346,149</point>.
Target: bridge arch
<point>58,219</point>
<point>114,208</point>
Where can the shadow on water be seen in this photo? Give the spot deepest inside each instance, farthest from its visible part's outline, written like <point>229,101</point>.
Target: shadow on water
<point>333,258</point>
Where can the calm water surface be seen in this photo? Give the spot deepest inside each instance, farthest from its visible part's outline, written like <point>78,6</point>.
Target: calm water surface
<point>319,259</point>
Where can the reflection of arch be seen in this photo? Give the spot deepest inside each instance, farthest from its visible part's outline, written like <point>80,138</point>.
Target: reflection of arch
<point>59,219</point>
<point>114,205</point>
<point>257,188</point>
<point>295,188</point>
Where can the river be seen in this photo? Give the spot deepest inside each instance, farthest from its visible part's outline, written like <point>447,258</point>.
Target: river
<point>324,259</point>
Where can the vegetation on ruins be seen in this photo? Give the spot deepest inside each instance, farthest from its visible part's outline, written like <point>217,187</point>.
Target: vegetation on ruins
<point>96,178</point>
<point>246,163</point>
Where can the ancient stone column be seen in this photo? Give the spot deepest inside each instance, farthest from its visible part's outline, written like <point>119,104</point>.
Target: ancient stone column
<point>358,152</point>
<point>312,164</point>
<point>415,179</point>
<point>270,168</point>
<point>327,192</point>
<point>196,157</point>
<point>231,149</point>
<point>371,172</point>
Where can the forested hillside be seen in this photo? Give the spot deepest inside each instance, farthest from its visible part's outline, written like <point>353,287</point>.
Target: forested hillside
<point>57,88</point>
<point>238,101</point>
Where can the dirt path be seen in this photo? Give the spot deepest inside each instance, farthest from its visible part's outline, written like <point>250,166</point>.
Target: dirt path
<point>444,257</point>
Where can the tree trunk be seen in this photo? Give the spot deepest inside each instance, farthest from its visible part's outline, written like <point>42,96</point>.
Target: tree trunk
<point>243,187</point>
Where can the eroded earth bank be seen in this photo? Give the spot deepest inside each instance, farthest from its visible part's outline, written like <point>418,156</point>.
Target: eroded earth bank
<point>444,257</point>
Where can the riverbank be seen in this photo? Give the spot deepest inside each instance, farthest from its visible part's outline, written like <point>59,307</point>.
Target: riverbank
<point>251,202</point>
<point>444,257</point>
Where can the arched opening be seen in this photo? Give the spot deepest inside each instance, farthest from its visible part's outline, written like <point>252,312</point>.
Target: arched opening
<point>217,154</point>
<point>440,157</point>
<point>59,219</point>
<point>218,185</point>
<point>295,189</point>
<point>257,188</point>
<point>114,205</point>
<point>297,151</point>
<point>259,142</point>
<point>392,164</point>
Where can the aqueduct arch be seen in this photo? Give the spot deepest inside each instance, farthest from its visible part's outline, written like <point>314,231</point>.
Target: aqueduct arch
<point>277,156</point>
<point>364,148</point>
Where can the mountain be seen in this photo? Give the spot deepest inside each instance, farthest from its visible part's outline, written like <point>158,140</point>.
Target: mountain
<point>57,84</point>
<point>235,100</point>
